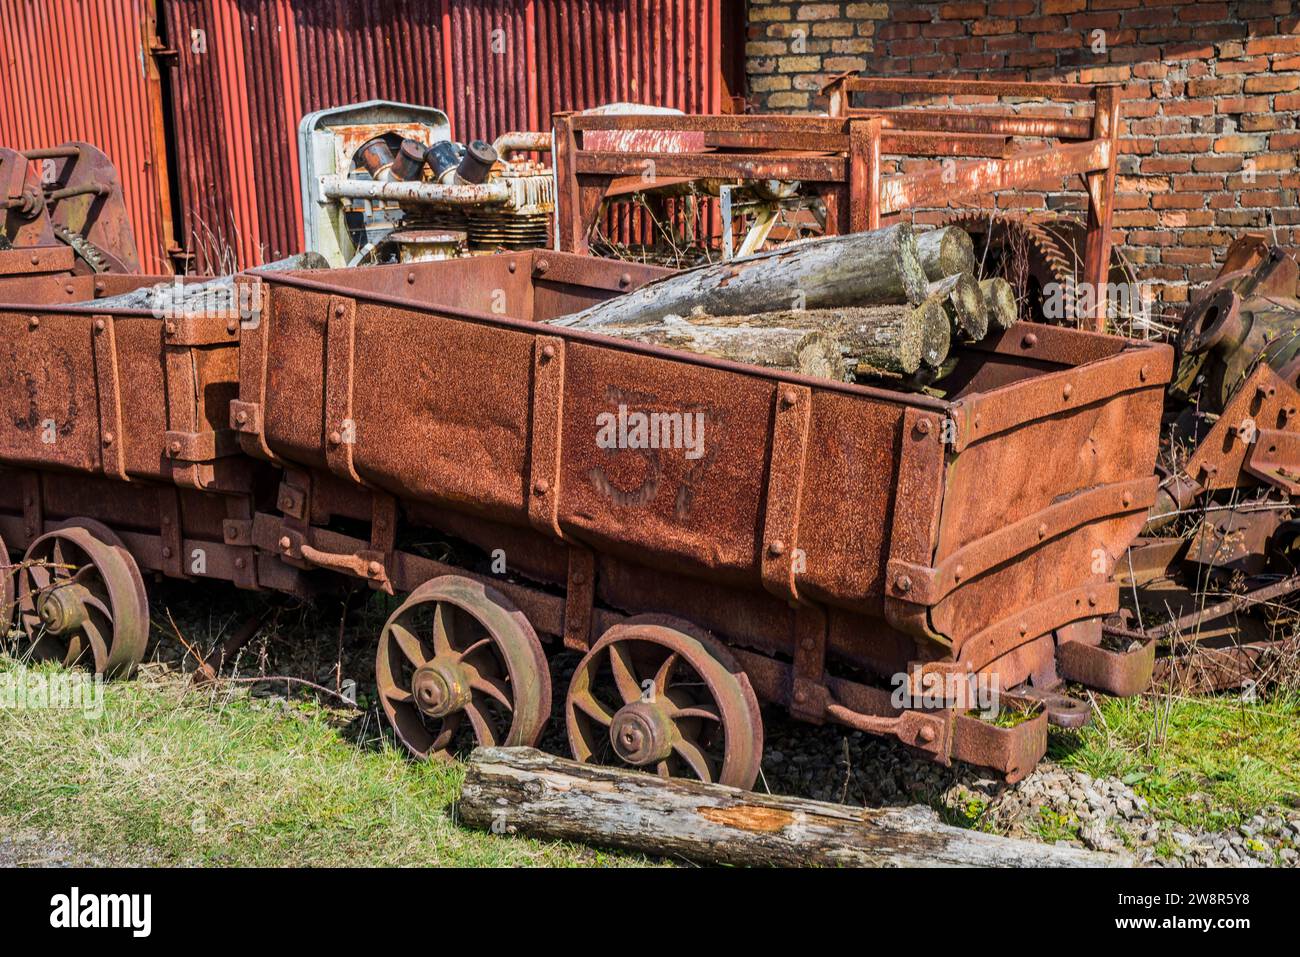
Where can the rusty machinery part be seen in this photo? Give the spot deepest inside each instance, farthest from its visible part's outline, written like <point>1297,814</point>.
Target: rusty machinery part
<point>1246,315</point>
<point>81,600</point>
<point>1052,249</point>
<point>657,694</point>
<point>459,651</point>
<point>87,208</point>
<point>95,258</point>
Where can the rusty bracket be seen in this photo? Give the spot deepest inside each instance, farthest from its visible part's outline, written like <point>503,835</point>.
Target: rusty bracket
<point>201,446</point>
<point>545,435</point>
<point>111,441</point>
<point>809,696</point>
<point>1013,751</point>
<point>246,412</point>
<point>292,500</point>
<point>781,558</point>
<point>200,330</point>
<point>926,585</point>
<point>1000,637</point>
<point>580,598</point>
<point>33,506</point>
<point>1121,673</point>
<point>914,524</point>
<point>366,564</point>
<point>1274,458</point>
<point>237,532</point>
<point>928,731</point>
<point>340,346</point>
<point>169,521</point>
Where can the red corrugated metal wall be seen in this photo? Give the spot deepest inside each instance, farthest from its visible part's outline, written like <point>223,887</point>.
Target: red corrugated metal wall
<point>491,65</point>
<point>75,70</point>
<point>245,71</point>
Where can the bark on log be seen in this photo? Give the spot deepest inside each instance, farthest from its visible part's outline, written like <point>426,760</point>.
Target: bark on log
<point>889,338</point>
<point>945,251</point>
<point>812,352</point>
<point>1001,300</point>
<point>881,266</point>
<point>963,300</point>
<point>525,791</point>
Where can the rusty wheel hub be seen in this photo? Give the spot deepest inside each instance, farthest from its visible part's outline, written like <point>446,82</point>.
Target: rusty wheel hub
<point>457,655</point>
<point>441,687</point>
<point>657,693</point>
<point>62,608</point>
<point>642,733</point>
<point>81,600</point>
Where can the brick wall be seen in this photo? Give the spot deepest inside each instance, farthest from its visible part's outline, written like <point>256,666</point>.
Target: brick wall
<point>1211,131</point>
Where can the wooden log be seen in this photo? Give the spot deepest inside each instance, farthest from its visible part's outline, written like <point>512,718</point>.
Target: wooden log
<point>525,791</point>
<point>1001,300</point>
<point>938,333</point>
<point>216,294</point>
<point>963,300</point>
<point>890,338</point>
<point>945,252</point>
<point>877,267</point>
<point>812,352</point>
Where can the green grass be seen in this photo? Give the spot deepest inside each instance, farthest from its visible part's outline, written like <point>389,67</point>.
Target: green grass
<point>168,774</point>
<point>1208,763</point>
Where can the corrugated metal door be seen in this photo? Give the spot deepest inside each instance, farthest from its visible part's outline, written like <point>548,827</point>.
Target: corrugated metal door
<point>76,70</point>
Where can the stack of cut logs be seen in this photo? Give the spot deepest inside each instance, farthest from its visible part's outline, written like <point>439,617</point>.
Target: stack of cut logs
<point>883,306</point>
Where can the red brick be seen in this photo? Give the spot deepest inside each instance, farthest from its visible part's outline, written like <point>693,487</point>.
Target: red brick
<point>1166,164</point>
<point>1242,104</point>
<point>1220,87</point>
<point>1273,45</point>
<point>1064,6</point>
<point>960,11</point>
<point>1011,8</point>
<point>1178,201</point>
<point>1239,144</point>
<point>1252,65</point>
<point>980,28</point>
<point>945,28</point>
<point>1188,108</point>
<point>1197,12</point>
<point>1272,84</point>
<point>1284,141</point>
<point>1265,122</point>
<point>1042,24</point>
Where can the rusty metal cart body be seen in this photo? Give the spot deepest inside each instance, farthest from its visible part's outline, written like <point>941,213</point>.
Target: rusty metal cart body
<point>116,457</point>
<point>826,538</point>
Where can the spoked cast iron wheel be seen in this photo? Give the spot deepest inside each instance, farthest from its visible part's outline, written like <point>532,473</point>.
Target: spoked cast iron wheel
<point>6,590</point>
<point>81,600</point>
<point>459,651</point>
<point>657,694</point>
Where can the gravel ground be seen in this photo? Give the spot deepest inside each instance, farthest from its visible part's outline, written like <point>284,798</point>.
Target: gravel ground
<point>34,849</point>
<point>1103,814</point>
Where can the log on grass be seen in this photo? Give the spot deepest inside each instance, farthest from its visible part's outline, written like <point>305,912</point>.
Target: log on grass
<point>945,252</point>
<point>1001,300</point>
<point>881,266</point>
<point>524,791</point>
<point>811,352</point>
<point>890,338</point>
<point>963,300</point>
